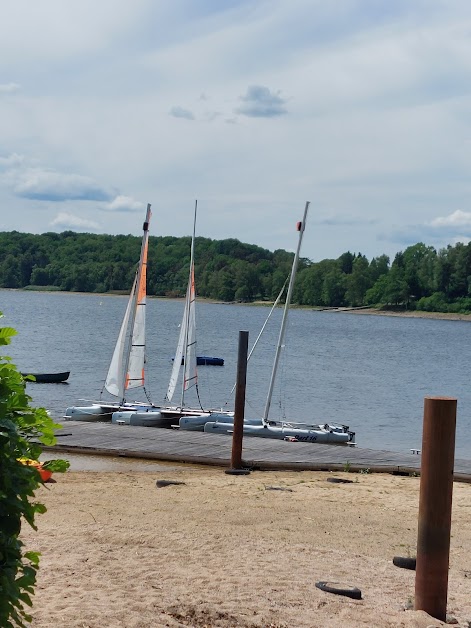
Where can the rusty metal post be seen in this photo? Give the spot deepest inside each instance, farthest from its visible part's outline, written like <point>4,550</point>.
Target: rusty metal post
<point>436,491</point>
<point>239,407</point>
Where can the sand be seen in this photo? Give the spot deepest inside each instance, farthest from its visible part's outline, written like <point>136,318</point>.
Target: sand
<point>219,550</point>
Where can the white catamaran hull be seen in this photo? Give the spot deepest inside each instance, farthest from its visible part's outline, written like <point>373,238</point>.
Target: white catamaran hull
<point>196,423</point>
<point>322,434</point>
<point>94,412</point>
<point>144,419</point>
<point>103,412</point>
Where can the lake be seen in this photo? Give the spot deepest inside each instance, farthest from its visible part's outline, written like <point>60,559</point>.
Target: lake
<point>370,372</point>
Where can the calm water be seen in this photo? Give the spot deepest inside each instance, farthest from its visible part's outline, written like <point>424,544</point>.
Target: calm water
<point>370,372</point>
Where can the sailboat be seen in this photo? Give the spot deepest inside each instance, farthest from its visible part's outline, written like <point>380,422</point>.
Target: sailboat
<point>127,367</point>
<point>126,370</point>
<point>284,430</point>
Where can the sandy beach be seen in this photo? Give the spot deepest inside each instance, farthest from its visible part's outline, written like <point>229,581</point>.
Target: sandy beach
<point>226,551</point>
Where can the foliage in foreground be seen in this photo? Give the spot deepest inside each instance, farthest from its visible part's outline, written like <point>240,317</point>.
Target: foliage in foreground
<point>21,427</point>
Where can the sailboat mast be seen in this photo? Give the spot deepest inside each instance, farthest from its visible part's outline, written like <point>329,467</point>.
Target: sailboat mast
<point>301,227</point>
<point>190,296</point>
<point>140,276</point>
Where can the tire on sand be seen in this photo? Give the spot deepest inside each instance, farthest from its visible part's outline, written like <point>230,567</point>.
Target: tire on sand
<point>406,562</point>
<point>339,589</point>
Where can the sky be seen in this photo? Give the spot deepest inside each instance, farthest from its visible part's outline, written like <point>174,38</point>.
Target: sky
<point>252,107</point>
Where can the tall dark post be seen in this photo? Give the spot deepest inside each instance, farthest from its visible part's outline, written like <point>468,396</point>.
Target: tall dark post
<point>239,407</point>
<point>436,491</point>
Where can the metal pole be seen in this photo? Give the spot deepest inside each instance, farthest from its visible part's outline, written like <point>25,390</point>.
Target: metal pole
<point>436,490</point>
<point>239,407</point>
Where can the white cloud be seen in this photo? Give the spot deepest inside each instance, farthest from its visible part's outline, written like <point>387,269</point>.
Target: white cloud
<point>67,221</point>
<point>458,218</point>
<point>11,161</point>
<point>47,185</point>
<point>124,204</point>
<point>9,88</point>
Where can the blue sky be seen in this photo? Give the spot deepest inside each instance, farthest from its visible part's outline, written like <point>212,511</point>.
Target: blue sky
<point>251,107</point>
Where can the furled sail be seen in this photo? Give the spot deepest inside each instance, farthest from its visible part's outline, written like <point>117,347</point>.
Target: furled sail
<point>127,364</point>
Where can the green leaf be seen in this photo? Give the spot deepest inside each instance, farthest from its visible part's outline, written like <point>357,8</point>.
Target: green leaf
<point>56,466</point>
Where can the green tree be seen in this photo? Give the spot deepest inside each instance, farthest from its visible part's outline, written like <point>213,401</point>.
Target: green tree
<point>333,289</point>
<point>358,282</point>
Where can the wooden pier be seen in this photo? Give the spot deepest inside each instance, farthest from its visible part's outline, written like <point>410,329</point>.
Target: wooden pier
<point>215,449</point>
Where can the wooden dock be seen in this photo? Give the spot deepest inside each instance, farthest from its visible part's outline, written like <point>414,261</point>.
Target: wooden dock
<point>215,449</point>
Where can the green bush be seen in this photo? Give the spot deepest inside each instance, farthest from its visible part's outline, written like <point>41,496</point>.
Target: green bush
<point>22,430</point>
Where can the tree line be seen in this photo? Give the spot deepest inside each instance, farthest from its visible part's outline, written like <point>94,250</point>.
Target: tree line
<point>420,277</point>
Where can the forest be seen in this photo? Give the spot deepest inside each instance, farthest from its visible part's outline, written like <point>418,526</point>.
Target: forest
<point>420,277</point>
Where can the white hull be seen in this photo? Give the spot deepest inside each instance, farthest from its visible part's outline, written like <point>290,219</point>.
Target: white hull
<point>197,423</point>
<point>144,419</point>
<point>102,412</point>
<point>94,412</point>
<point>318,435</point>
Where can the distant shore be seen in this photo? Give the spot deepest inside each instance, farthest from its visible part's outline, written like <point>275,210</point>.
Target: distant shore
<point>407,314</point>
<point>340,310</point>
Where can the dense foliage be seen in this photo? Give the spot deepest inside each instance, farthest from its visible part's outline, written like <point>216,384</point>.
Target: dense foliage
<point>22,429</point>
<point>229,270</point>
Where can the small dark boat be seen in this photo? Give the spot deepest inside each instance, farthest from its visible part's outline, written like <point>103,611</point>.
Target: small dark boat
<point>202,360</point>
<point>49,378</point>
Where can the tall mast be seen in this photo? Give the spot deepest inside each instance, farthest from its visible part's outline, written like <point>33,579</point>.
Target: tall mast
<point>141,274</point>
<point>301,227</point>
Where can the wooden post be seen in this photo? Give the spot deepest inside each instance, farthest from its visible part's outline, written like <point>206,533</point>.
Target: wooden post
<point>436,490</point>
<point>239,407</point>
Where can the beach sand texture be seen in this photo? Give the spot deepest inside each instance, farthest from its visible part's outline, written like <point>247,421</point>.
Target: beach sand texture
<point>219,550</point>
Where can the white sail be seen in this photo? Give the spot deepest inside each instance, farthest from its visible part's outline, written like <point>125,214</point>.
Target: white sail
<point>186,347</point>
<point>127,364</point>
<point>114,382</point>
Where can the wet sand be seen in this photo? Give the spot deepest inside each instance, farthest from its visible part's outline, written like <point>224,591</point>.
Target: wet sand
<point>226,551</point>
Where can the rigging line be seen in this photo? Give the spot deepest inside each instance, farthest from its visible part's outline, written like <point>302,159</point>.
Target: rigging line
<point>198,395</point>
<point>148,397</point>
<point>277,300</point>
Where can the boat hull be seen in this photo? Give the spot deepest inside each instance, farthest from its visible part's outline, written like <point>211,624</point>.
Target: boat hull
<point>49,378</point>
<point>93,412</point>
<point>143,419</point>
<point>197,423</point>
<point>320,435</point>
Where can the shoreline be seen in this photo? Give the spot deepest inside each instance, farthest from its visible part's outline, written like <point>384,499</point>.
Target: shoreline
<point>367,311</point>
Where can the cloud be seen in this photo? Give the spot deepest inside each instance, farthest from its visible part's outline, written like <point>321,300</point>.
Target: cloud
<point>48,185</point>
<point>124,204</point>
<point>456,227</point>
<point>66,221</point>
<point>179,112</point>
<point>344,221</point>
<point>456,219</point>
<point>11,161</point>
<point>9,88</point>
<point>259,102</point>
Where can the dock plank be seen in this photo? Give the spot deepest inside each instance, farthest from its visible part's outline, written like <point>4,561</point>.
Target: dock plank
<point>215,449</point>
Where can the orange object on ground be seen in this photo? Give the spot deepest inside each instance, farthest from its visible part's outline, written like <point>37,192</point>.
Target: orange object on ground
<point>44,473</point>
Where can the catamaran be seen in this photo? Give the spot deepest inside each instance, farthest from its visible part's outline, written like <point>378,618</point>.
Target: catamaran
<point>127,368</point>
<point>284,430</point>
